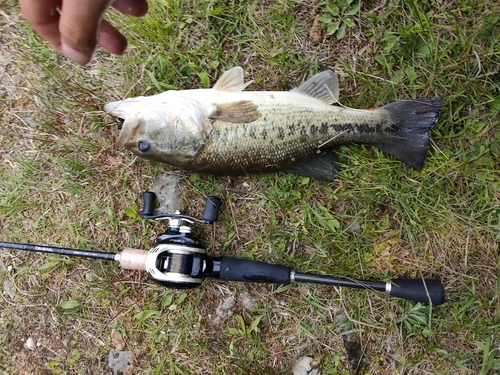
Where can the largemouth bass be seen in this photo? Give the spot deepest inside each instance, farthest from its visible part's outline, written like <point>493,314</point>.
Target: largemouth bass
<point>226,130</point>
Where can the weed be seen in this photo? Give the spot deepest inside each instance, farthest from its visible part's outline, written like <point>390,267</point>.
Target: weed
<point>338,16</point>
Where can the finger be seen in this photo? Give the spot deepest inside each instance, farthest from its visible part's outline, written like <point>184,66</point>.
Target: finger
<point>111,39</point>
<point>135,8</point>
<point>79,25</point>
<point>43,16</point>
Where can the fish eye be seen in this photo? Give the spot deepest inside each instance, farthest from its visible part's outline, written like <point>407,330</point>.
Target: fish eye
<point>144,146</point>
<point>121,121</point>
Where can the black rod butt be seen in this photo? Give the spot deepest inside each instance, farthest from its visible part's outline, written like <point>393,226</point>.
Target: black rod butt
<point>426,291</point>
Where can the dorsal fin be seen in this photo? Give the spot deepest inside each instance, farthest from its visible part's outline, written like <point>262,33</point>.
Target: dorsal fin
<point>323,86</point>
<point>232,80</point>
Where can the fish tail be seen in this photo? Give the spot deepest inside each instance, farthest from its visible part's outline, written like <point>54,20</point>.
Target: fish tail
<point>409,129</point>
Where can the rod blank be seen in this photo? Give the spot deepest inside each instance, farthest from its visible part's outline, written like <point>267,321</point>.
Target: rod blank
<point>59,250</point>
<point>340,281</point>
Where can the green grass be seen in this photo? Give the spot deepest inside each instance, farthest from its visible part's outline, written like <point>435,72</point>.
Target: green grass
<point>64,182</point>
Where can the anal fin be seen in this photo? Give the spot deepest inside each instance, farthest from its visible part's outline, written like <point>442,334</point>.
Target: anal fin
<point>324,166</point>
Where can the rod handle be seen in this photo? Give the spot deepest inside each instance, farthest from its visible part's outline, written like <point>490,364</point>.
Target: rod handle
<point>251,271</point>
<point>418,290</point>
<point>133,259</point>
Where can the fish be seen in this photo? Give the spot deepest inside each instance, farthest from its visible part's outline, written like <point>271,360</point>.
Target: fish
<point>231,131</point>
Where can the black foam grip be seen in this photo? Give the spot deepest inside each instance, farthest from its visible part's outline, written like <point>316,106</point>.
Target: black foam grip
<point>418,290</point>
<point>251,271</point>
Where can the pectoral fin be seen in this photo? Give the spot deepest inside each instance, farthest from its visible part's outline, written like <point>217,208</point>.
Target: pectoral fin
<point>232,81</point>
<point>323,86</point>
<point>242,111</point>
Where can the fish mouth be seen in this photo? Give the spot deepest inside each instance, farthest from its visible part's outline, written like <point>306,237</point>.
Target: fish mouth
<point>132,129</point>
<point>120,122</point>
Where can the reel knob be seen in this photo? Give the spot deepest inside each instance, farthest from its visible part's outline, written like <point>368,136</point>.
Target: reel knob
<point>149,199</point>
<point>212,207</point>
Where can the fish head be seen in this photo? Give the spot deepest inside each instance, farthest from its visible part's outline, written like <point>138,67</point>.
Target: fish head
<point>165,128</point>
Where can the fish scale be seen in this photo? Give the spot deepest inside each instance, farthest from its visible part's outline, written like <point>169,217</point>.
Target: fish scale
<point>226,130</point>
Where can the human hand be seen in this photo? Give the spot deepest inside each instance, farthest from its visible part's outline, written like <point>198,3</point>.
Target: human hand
<point>75,27</point>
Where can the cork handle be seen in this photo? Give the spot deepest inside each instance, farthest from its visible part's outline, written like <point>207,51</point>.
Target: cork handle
<point>133,259</point>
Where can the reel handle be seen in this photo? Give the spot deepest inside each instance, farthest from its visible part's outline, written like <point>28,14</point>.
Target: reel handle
<point>210,216</point>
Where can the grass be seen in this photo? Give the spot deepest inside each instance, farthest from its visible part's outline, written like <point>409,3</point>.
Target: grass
<point>64,182</point>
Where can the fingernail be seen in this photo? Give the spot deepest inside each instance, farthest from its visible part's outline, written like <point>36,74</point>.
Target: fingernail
<point>74,55</point>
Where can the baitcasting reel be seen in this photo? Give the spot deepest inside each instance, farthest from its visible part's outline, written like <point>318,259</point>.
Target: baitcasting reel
<point>178,260</point>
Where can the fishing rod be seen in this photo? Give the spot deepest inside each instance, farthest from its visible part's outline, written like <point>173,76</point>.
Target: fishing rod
<point>178,260</point>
